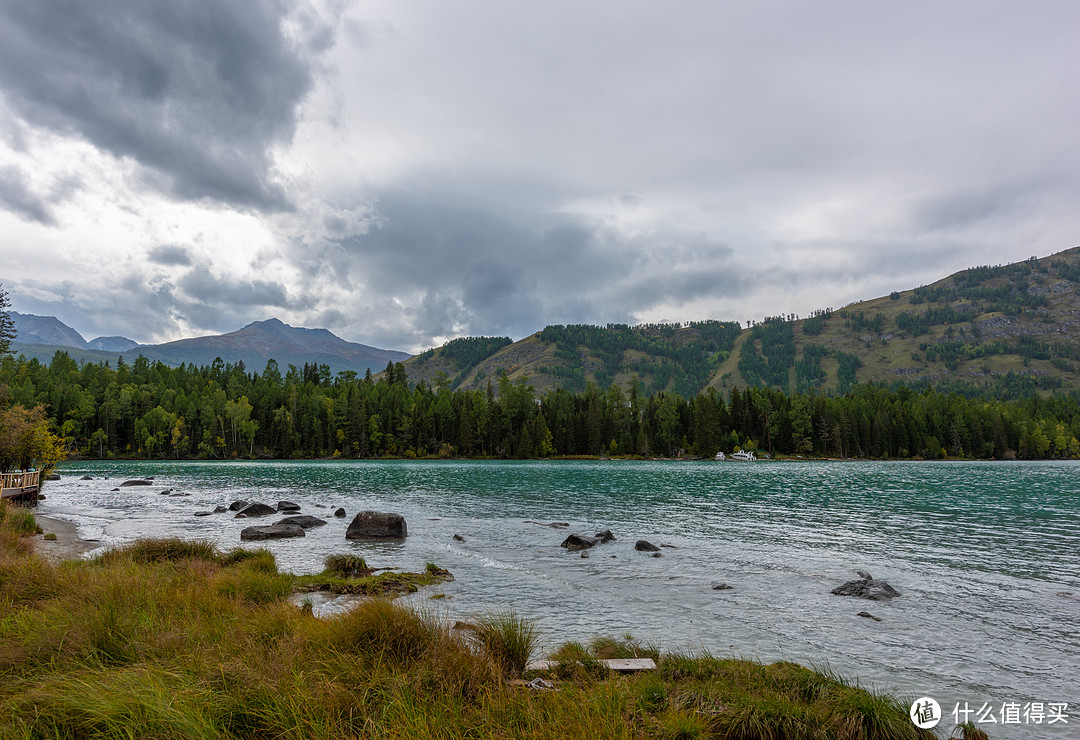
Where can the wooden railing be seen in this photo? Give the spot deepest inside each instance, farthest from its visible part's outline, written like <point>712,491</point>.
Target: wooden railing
<point>21,480</point>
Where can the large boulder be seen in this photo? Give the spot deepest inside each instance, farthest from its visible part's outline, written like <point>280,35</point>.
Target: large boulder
<point>577,542</point>
<point>288,506</point>
<point>867,588</point>
<point>237,505</point>
<point>377,524</point>
<point>307,522</point>
<point>256,509</point>
<point>272,532</point>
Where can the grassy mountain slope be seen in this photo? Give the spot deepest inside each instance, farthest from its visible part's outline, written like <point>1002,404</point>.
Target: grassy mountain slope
<point>974,327</point>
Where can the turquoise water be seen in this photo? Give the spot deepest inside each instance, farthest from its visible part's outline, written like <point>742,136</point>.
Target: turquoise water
<point>986,555</point>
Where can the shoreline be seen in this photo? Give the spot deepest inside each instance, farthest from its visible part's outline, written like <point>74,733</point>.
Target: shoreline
<point>67,545</point>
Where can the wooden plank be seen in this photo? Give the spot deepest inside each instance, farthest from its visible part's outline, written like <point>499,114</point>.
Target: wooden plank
<point>622,665</point>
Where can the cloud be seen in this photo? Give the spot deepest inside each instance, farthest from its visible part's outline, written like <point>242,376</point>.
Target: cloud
<point>198,92</point>
<point>17,197</point>
<point>170,255</point>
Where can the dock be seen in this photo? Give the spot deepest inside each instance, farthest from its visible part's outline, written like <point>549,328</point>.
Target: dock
<point>21,487</point>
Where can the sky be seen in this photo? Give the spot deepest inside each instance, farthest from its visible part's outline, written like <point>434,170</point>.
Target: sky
<point>403,173</point>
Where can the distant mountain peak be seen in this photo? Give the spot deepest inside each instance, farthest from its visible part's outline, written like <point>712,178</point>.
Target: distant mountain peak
<point>49,330</point>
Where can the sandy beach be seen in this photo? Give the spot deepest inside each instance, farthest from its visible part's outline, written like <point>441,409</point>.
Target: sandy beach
<point>67,545</point>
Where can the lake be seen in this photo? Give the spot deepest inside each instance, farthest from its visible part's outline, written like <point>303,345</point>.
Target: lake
<point>986,555</point>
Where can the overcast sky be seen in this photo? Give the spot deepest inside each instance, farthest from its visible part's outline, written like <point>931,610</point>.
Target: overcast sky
<point>406,172</point>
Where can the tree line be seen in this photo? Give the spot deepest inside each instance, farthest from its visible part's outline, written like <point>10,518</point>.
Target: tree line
<point>149,410</point>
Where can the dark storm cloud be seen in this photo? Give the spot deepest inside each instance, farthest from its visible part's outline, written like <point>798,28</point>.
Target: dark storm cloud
<point>212,290</point>
<point>467,266</point>
<point>197,91</point>
<point>170,255</point>
<point>17,196</point>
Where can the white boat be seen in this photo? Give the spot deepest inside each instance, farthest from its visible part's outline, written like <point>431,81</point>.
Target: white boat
<point>743,455</point>
<point>720,455</point>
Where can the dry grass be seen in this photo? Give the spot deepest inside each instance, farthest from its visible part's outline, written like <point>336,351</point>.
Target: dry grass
<point>175,640</point>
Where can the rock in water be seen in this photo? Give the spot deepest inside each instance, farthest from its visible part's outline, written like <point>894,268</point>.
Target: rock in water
<point>646,546</point>
<point>136,482</point>
<point>605,536</point>
<point>307,522</point>
<point>721,587</point>
<point>458,538</point>
<point>340,513</point>
<point>256,509</point>
<point>577,542</point>
<point>868,615</point>
<point>287,506</point>
<point>873,589</point>
<point>274,532</point>
<point>377,524</point>
<point>237,505</point>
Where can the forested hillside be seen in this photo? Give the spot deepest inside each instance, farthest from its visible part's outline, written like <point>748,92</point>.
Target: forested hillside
<point>150,410</point>
<point>977,331</point>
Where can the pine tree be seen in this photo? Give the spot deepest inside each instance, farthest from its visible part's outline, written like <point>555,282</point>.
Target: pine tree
<point>7,324</point>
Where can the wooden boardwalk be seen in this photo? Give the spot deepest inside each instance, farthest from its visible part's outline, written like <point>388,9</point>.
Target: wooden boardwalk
<point>22,487</point>
<point>621,665</point>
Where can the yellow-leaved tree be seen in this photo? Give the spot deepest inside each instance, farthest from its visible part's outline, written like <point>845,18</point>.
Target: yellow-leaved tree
<point>26,442</point>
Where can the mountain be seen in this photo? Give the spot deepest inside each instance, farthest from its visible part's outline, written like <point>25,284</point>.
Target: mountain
<point>31,329</point>
<point>113,344</point>
<point>254,345</point>
<point>261,341</point>
<point>1005,328</point>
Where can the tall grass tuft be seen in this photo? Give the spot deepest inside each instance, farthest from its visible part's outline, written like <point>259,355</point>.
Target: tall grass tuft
<point>386,632</point>
<point>968,731</point>
<point>507,639</point>
<point>347,566</point>
<point>170,549</point>
<point>18,519</point>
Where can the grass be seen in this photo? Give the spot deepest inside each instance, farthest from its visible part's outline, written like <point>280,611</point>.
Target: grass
<point>167,639</point>
<point>507,639</point>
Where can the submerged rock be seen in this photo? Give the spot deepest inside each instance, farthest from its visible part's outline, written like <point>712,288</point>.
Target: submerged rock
<point>256,509</point>
<point>867,588</point>
<point>868,615</point>
<point>577,542</point>
<point>273,532</point>
<point>645,546</point>
<point>458,538</point>
<point>136,482</point>
<point>307,522</point>
<point>377,524</point>
<point>721,587</point>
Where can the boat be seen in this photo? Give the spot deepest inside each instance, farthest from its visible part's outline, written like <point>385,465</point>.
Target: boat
<point>720,456</point>
<point>743,455</point>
